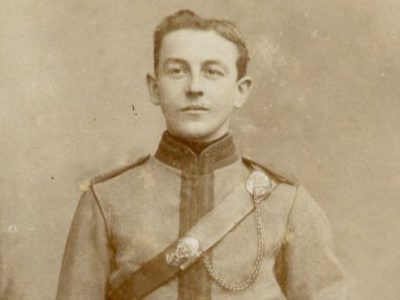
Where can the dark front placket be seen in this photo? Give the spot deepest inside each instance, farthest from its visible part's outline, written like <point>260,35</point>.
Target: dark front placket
<point>197,198</point>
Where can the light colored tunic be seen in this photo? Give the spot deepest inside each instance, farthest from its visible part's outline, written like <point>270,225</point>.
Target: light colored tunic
<point>128,217</point>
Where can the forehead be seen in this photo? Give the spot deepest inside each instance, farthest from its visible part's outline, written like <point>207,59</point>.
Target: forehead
<point>198,46</point>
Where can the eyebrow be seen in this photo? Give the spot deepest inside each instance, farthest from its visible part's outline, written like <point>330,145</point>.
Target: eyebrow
<point>174,60</point>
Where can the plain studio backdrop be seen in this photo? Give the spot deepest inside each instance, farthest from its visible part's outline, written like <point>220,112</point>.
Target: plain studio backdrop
<point>325,108</point>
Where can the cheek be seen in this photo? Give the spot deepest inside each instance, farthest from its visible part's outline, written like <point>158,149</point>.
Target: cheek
<point>170,88</point>
<point>225,93</point>
<point>170,95</point>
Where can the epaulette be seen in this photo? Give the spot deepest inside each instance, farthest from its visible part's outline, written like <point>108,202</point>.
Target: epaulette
<point>276,176</point>
<point>118,171</point>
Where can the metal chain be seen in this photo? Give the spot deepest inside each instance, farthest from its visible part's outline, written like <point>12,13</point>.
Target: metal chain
<point>240,286</point>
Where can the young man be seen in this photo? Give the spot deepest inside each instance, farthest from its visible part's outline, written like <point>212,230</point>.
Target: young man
<point>195,221</point>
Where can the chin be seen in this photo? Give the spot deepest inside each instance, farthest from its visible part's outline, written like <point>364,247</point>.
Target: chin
<point>194,134</point>
<point>201,130</point>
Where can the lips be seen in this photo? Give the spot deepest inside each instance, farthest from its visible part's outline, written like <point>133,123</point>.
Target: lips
<point>195,108</point>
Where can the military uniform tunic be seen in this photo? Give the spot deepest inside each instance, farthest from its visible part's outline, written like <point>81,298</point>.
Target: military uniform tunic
<point>127,217</point>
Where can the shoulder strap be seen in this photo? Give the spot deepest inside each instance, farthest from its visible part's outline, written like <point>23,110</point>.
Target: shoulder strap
<point>211,229</point>
<point>120,170</point>
<point>275,175</point>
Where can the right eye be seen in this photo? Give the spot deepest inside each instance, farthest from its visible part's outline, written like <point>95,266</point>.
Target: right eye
<point>176,72</point>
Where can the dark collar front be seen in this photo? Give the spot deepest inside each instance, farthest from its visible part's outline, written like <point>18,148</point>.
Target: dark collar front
<point>179,155</point>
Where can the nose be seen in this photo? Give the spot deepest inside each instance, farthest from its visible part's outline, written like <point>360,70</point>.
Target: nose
<point>195,87</point>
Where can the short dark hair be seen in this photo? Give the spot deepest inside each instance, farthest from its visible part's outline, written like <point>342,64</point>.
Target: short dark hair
<point>186,19</point>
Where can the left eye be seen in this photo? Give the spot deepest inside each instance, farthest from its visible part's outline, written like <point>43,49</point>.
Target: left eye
<point>176,71</point>
<point>214,72</point>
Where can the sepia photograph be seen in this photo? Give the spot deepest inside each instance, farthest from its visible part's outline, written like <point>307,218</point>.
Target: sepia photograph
<point>199,150</point>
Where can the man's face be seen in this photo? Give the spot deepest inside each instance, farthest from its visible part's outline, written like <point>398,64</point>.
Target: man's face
<point>196,84</point>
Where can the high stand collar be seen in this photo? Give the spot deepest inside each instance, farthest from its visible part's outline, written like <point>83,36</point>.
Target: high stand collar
<point>179,154</point>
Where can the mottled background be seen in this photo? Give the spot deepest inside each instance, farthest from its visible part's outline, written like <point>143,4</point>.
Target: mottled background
<point>325,107</point>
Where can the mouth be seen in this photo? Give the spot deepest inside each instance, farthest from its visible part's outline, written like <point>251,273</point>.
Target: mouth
<point>195,109</point>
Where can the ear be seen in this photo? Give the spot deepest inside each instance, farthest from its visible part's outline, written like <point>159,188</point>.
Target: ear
<point>244,85</point>
<point>152,86</point>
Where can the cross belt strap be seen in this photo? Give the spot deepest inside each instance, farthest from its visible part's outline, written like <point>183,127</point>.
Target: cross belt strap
<point>209,231</point>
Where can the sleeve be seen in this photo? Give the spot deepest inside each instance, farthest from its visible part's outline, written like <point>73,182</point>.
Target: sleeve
<point>87,258</point>
<point>312,269</point>
<point>8,278</point>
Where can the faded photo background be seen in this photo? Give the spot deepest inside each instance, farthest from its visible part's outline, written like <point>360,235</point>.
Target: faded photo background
<point>325,108</point>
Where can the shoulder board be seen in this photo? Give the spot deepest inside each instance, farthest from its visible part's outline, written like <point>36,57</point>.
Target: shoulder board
<point>277,176</point>
<point>118,171</point>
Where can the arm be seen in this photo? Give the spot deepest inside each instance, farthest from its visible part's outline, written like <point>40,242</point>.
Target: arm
<point>86,263</point>
<point>313,271</point>
<point>8,287</point>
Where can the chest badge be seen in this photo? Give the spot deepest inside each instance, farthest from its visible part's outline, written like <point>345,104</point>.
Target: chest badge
<point>258,185</point>
<point>186,250</point>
